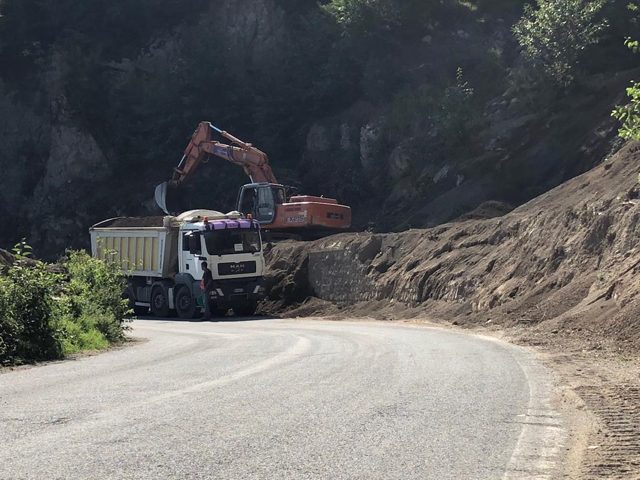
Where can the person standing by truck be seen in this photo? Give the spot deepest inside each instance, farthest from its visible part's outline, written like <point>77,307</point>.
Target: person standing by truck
<point>207,287</point>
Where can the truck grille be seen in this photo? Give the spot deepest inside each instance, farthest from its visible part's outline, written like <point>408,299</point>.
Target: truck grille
<point>238,268</point>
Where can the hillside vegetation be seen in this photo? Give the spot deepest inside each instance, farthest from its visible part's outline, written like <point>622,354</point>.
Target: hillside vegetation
<point>50,311</point>
<point>413,112</point>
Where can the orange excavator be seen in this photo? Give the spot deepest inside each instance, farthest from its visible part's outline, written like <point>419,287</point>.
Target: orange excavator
<point>268,201</point>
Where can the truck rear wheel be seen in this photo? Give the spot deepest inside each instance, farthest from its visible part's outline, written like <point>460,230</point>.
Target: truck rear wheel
<point>185,303</point>
<point>245,310</point>
<point>159,302</point>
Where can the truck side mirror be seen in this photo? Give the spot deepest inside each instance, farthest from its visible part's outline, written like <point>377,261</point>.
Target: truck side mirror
<point>194,243</point>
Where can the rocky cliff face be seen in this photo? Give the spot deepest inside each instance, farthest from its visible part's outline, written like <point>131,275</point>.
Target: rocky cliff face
<point>58,180</point>
<point>513,155</point>
<point>255,32</point>
<point>53,169</point>
<point>383,141</point>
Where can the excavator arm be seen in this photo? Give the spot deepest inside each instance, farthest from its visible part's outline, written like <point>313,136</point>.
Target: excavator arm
<point>254,162</point>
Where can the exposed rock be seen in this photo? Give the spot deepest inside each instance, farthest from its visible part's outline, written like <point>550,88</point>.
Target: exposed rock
<point>74,156</point>
<point>400,160</point>
<point>24,137</point>
<point>318,139</point>
<point>512,157</point>
<point>345,136</point>
<point>442,174</point>
<point>253,31</point>
<point>61,206</point>
<point>369,136</point>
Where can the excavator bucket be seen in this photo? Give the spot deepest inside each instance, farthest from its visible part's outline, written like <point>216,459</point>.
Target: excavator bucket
<point>161,196</point>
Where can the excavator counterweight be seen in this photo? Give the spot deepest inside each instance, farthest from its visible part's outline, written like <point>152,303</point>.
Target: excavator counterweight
<point>264,198</point>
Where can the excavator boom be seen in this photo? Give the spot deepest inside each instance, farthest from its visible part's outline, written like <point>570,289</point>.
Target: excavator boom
<point>253,161</point>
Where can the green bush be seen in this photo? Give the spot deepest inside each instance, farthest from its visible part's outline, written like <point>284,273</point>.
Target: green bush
<point>629,114</point>
<point>456,110</point>
<point>365,19</point>
<point>95,290</point>
<point>48,311</point>
<point>77,334</point>
<point>27,324</point>
<point>555,36</point>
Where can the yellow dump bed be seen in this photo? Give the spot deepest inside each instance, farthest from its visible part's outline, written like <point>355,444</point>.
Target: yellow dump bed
<point>145,246</point>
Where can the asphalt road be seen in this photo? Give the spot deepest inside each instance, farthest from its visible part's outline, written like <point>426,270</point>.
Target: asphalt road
<point>283,399</point>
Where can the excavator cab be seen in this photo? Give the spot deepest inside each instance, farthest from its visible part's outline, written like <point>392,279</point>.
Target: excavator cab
<point>261,200</point>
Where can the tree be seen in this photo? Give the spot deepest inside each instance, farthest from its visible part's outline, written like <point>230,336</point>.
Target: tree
<point>555,35</point>
<point>629,114</point>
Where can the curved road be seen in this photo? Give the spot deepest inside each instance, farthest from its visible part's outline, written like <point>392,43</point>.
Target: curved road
<point>283,399</point>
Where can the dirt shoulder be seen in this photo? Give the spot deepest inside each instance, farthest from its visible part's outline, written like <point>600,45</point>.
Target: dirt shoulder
<point>600,396</point>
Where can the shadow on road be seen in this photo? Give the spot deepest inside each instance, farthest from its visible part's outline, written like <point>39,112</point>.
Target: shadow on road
<point>225,319</point>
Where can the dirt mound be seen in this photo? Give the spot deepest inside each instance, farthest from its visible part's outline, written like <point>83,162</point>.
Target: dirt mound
<point>568,261</point>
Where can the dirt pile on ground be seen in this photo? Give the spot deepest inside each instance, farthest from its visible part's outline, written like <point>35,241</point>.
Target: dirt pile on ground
<point>568,260</point>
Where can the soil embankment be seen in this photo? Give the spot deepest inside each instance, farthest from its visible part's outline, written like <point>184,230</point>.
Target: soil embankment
<point>568,260</point>
<point>560,272</point>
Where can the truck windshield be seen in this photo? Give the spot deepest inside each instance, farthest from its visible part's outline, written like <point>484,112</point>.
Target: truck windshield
<point>225,242</point>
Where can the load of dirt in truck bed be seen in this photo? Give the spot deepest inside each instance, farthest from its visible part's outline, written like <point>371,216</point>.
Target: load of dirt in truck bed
<point>125,222</point>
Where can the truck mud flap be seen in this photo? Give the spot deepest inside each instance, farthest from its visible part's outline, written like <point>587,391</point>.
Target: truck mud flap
<point>239,298</point>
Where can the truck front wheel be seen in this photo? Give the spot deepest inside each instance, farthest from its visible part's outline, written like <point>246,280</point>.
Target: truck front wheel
<point>185,303</point>
<point>159,302</point>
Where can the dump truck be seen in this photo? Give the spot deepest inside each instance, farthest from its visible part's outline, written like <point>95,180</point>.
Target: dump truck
<point>162,257</point>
